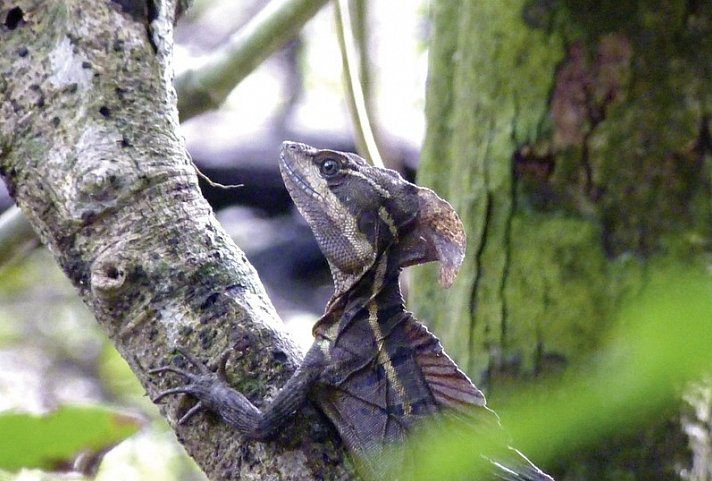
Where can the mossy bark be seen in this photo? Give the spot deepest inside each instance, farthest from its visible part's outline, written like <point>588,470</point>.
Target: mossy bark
<point>573,138</point>
<point>90,151</point>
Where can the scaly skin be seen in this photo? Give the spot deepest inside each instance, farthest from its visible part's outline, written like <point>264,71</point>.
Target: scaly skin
<point>373,369</point>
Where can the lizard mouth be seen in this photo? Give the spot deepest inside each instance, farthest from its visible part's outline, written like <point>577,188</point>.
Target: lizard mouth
<point>289,172</point>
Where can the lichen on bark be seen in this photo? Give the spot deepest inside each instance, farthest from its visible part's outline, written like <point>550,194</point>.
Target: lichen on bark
<point>90,152</point>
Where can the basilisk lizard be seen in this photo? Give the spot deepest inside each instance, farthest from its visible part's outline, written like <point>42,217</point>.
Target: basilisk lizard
<point>373,369</point>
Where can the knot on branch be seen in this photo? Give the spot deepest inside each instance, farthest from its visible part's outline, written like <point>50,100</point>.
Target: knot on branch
<point>108,276</point>
<point>102,184</point>
<point>104,173</point>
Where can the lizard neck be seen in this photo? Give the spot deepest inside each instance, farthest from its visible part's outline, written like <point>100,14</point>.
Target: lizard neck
<point>377,296</point>
<point>380,287</point>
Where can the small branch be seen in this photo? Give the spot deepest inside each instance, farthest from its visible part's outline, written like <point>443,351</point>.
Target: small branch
<point>365,138</point>
<point>206,87</point>
<point>359,22</point>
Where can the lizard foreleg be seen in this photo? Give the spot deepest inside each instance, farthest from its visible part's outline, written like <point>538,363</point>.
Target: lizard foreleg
<point>214,394</point>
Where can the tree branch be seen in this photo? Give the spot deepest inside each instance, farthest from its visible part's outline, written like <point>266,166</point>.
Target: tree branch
<point>207,86</point>
<point>203,88</point>
<point>90,152</point>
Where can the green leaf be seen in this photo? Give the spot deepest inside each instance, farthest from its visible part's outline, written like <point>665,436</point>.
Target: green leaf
<point>662,341</point>
<point>52,441</point>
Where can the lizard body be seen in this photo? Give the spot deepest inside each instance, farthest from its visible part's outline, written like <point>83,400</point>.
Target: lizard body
<point>373,369</point>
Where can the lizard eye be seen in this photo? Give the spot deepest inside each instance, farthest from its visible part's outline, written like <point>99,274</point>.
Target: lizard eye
<point>329,168</point>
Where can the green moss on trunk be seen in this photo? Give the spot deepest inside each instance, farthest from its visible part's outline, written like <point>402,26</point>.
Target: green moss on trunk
<point>574,140</point>
<point>487,94</point>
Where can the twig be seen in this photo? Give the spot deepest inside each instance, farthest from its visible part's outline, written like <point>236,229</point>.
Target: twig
<point>367,145</point>
<point>206,87</point>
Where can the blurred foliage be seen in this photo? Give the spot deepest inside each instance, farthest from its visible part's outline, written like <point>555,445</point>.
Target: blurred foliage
<point>54,440</point>
<point>54,360</point>
<point>661,344</point>
<point>117,378</point>
<point>150,454</point>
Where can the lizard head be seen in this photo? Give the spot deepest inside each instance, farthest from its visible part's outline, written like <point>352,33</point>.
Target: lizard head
<point>358,211</point>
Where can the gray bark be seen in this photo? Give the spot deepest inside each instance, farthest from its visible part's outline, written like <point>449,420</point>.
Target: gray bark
<point>89,150</point>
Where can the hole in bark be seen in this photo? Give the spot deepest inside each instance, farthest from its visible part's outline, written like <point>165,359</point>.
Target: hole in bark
<point>104,111</point>
<point>108,276</point>
<point>14,18</point>
<point>22,51</point>
<point>112,272</point>
<point>279,356</point>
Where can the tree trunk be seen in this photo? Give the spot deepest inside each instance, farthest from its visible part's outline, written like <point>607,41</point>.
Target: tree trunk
<point>89,150</point>
<point>573,138</point>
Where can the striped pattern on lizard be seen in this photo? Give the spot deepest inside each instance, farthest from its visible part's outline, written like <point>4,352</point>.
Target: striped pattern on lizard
<point>374,370</point>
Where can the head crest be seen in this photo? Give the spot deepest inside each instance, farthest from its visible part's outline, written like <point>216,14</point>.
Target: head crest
<point>358,212</point>
<point>437,235</point>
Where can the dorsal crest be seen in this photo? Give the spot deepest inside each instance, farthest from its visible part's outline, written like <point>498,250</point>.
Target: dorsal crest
<point>358,211</point>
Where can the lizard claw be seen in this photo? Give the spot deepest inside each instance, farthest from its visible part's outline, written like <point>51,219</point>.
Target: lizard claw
<point>202,368</point>
<point>187,389</point>
<point>212,393</point>
<point>182,372</point>
<point>191,412</point>
<point>196,384</point>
